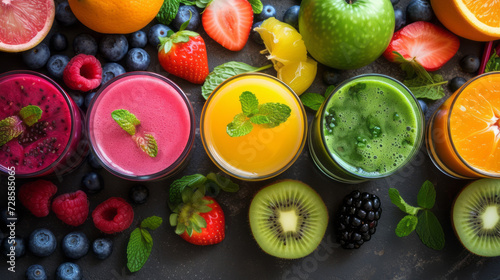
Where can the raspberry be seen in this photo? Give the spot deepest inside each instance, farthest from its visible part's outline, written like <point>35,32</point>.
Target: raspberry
<point>71,208</point>
<point>83,73</point>
<point>113,215</point>
<point>36,196</point>
<point>358,218</point>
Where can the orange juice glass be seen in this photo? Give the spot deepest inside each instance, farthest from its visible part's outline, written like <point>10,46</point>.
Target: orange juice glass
<point>264,152</point>
<point>463,135</point>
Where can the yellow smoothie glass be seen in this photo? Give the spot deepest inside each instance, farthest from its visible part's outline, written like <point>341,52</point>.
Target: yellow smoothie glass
<point>265,152</point>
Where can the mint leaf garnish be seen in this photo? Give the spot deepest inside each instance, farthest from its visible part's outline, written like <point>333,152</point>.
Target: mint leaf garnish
<point>259,119</point>
<point>312,100</point>
<point>249,103</point>
<point>140,243</point>
<point>152,222</point>
<point>430,231</point>
<point>493,63</point>
<point>426,224</point>
<point>126,120</point>
<point>397,200</point>
<point>10,128</point>
<point>225,71</point>
<point>276,112</point>
<point>30,114</point>
<point>256,6</point>
<point>240,126</point>
<point>427,195</point>
<point>406,226</point>
<point>420,82</point>
<point>147,144</point>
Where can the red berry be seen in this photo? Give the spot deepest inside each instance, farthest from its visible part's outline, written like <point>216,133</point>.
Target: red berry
<point>83,73</point>
<point>36,196</point>
<point>113,215</point>
<point>71,208</point>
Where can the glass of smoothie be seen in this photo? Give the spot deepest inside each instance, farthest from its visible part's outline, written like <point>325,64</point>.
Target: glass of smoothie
<point>55,143</point>
<point>163,110</point>
<point>368,128</point>
<point>268,149</point>
<point>463,134</point>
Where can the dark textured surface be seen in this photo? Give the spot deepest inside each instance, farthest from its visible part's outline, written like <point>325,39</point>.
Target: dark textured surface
<point>386,256</point>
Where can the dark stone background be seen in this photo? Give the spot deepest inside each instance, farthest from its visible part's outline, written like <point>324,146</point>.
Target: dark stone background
<point>386,256</point>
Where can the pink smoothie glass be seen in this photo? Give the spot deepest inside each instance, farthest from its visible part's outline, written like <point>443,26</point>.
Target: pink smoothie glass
<point>55,145</point>
<point>163,110</point>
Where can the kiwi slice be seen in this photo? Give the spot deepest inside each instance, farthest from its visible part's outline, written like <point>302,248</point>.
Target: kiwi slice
<point>288,219</point>
<point>476,217</point>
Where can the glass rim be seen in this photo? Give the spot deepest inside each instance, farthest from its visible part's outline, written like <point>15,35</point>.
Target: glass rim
<point>448,123</point>
<point>268,175</point>
<point>47,170</point>
<point>169,170</point>
<point>420,122</point>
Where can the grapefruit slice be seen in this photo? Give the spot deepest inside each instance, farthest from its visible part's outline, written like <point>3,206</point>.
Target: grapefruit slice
<point>24,23</point>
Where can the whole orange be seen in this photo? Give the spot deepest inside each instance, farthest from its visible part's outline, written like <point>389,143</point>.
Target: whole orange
<point>477,20</point>
<point>115,16</point>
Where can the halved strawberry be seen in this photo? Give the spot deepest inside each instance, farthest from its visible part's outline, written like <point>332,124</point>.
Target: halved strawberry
<point>430,45</point>
<point>228,22</point>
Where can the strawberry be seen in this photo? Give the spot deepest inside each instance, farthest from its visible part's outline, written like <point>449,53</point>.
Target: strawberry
<point>184,55</point>
<point>199,220</point>
<point>430,45</point>
<point>228,22</point>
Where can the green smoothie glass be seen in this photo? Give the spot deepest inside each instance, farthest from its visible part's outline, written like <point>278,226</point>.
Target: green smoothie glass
<point>368,128</point>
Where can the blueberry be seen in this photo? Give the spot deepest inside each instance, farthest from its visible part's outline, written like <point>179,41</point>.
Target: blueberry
<point>94,162</point>
<point>37,57</point>
<point>423,105</point>
<point>183,15</point>
<point>56,65</point>
<point>16,242</point>
<point>42,242</point>
<point>400,19</point>
<point>255,35</point>
<point>456,83</point>
<point>36,272</point>
<point>138,39</point>
<point>157,30</point>
<point>137,60</point>
<point>8,216</point>
<point>394,2</point>
<point>78,98</point>
<point>111,70</point>
<point>68,271</point>
<point>75,245</point>
<point>331,76</point>
<point>84,43</point>
<point>138,194</point>
<point>64,15</point>
<point>419,10</point>
<point>93,182</point>
<point>470,63</point>
<point>113,47</point>
<point>102,248</point>
<point>212,189</point>
<point>267,12</point>
<point>58,42</point>
<point>291,16</point>
<point>88,99</point>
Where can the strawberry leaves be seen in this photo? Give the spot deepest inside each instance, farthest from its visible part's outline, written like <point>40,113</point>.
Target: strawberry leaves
<point>140,243</point>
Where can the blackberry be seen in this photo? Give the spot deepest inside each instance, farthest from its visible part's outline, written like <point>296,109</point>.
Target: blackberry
<point>358,218</point>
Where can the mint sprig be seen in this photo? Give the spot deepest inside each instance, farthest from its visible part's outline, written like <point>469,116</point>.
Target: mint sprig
<point>10,128</point>
<point>140,243</point>
<point>421,218</point>
<point>126,120</point>
<point>225,71</point>
<point>420,82</point>
<point>314,101</point>
<point>30,114</point>
<point>168,11</point>
<point>269,114</point>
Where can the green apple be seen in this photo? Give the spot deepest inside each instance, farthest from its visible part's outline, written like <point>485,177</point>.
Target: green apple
<point>346,34</point>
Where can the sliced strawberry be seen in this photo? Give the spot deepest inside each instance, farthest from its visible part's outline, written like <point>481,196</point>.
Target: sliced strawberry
<point>228,22</point>
<point>430,45</point>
